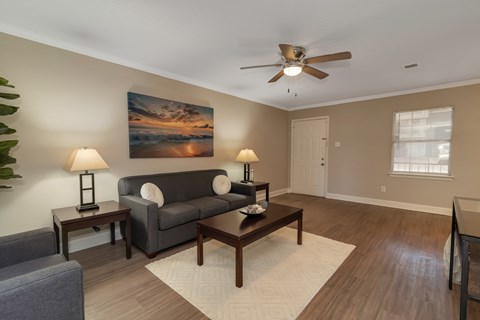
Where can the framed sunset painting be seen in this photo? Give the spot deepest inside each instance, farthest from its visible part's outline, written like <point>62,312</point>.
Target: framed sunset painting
<point>161,128</point>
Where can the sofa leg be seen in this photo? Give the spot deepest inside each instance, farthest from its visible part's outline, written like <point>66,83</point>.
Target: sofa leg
<point>152,255</point>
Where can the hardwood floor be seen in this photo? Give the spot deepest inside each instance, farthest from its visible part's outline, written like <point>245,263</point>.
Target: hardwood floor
<point>395,272</point>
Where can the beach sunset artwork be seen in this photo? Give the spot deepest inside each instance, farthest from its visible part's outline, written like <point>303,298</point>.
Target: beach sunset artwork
<point>160,128</point>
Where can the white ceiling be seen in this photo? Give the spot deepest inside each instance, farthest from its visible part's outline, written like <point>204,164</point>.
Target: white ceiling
<point>205,42</point>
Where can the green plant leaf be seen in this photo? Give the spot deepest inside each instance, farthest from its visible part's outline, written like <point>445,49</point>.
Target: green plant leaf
<point>4,82</point>
<point>6,109</point>
<point>7,173</point>
<point>9,96</point>
<point>6,159</point>
<point>6,130</point>
<point>6,145</point>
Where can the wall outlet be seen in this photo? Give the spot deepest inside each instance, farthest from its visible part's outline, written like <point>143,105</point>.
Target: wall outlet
<point>383,188</point>
<point>337,144</point>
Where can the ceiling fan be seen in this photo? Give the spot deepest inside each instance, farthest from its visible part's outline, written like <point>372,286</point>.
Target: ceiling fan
<point>295,62</point>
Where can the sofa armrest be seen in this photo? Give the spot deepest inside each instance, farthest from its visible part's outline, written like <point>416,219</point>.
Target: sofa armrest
<point>27,245</point>
<point>55,292</point>
<point>244,188</point>
<point>144,218</point>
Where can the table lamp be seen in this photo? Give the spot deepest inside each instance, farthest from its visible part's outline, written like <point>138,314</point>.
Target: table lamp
<point>246,156</point>
<point>86,159</point>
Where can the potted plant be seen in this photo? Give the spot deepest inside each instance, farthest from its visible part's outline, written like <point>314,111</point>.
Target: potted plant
<point>7,145</point>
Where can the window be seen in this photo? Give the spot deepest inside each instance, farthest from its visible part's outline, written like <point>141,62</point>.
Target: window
<point>421,141</point>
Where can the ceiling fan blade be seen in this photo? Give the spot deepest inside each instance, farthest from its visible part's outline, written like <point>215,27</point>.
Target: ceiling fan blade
<point>262,66</point>
<point>287,51</point>
<point>329,57</point>
<point>276,77</point>
<point>314,72</point>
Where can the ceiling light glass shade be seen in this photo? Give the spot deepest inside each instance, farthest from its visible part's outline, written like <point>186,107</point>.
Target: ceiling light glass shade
<point>247,156</point>
<point>292,70</point>
<point>85,159</point>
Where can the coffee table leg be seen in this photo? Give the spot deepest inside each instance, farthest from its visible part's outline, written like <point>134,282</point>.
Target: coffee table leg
<point>299,228</point>
<point>199,247</point>
<point>239,266</point>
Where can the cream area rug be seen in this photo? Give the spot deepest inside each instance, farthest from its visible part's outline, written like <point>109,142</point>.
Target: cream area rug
<point>280,277</point>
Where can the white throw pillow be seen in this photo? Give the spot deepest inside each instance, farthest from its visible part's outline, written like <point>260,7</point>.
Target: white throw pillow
<point>151,192</point>
<point>221,184</point>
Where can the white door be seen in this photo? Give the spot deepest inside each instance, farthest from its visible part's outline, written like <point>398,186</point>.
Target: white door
<point>309,142</point>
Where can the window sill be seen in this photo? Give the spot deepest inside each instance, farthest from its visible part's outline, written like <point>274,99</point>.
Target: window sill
<point>421,176</point>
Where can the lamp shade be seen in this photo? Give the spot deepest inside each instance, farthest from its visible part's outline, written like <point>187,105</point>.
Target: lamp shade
<point>247,156</point>
<point>85,159</point>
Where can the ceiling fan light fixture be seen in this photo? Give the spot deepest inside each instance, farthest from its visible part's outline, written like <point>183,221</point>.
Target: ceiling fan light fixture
<point>294,63</point>
<point>292,70</point>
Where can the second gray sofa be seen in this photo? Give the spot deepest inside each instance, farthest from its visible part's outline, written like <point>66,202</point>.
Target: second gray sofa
<point>188,197</point>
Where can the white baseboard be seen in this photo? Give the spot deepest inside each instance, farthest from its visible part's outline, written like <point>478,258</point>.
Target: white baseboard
<point>261,194</point>
<point>92,239</point>
<point>279,192</point>
<point>392,204</point>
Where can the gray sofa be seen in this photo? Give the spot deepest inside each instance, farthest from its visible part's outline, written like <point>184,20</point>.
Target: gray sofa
<point>36,282</point>
<point>188,197</point>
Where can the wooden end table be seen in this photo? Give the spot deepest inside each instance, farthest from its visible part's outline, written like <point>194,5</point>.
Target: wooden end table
<point>238,230</point>
<point>260,185</point>
<point>69,219</point>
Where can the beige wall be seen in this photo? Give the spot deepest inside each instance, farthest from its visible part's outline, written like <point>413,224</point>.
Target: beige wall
<point>69,100</point>
<point>359,167</point>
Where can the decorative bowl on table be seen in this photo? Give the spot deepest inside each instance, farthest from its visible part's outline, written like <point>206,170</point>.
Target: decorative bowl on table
<point>255,209</point>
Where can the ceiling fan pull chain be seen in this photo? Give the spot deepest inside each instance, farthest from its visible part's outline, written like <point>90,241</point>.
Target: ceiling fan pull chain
<point>296,85</point>
<point>290,80</point>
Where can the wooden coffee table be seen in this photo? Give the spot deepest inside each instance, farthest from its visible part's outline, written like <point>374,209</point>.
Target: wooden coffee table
<point>238,230</point>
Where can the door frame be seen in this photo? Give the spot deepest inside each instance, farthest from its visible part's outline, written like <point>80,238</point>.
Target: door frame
<point>292,123</point>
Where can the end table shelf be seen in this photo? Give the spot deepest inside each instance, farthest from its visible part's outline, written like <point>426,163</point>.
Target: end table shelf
<point>69,219</point>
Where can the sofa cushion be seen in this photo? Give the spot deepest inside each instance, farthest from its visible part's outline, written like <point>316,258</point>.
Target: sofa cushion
<point>209,206</point>
<point>30,266</point>
<point>236,200</point>
<point>174,214</point>
<point>151,192</point>
<point>221,184</point>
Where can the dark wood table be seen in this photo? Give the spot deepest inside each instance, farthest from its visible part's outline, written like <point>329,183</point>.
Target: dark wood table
<point>466,230</point>
<point>260,185</point>
<point>69,219</point>
<point>238,230</point>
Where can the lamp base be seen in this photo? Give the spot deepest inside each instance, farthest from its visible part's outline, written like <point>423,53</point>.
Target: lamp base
<point>246,181</point>
<point>84,207</point>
